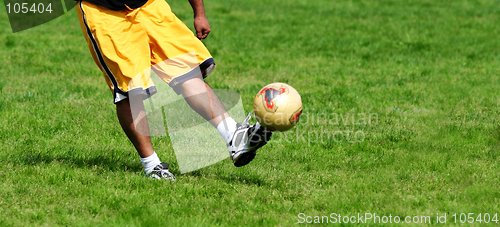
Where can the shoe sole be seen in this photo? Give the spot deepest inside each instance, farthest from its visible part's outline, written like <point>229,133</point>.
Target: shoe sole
<point>246,157</point>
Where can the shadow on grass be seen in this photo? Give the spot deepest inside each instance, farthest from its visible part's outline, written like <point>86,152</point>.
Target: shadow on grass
<point>242,179</point>
<point>106,161</point>
<point>234,178</point>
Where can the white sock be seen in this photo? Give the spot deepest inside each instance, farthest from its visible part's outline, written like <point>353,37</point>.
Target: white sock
<point>227,128</point>
<point>150,162</point>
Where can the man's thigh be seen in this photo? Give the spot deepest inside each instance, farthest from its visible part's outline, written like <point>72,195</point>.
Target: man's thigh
<point>119,46</point>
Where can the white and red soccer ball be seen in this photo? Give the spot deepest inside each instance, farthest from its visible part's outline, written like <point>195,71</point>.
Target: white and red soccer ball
<point>277,107</point>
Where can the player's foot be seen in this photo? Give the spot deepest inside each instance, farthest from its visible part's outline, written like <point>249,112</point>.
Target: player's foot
<point>161,172</point>
<point>246,140</point>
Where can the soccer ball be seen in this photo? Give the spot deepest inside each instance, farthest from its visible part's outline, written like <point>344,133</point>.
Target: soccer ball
<point>277,107</point>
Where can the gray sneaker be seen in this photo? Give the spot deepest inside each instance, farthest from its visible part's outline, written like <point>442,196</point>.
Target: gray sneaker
<point>246,140</point>
<point>161,172</point>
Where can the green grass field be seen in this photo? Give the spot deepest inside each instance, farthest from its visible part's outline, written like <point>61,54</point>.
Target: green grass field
<point>401,118</point>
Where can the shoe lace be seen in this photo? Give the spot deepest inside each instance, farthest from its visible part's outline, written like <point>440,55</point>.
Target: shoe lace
<point>163,173</point>
<point>167,175</point>
<point>245,123</point>
<point>247,119</point>
<point>256,126</point>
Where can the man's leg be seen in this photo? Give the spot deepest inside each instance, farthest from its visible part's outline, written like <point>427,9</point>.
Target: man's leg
<point>142,143</point>
<point>242,139</point>
<point>202,99</point>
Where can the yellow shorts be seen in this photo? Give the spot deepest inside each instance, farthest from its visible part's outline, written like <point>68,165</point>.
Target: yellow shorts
<point>126,44</point>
